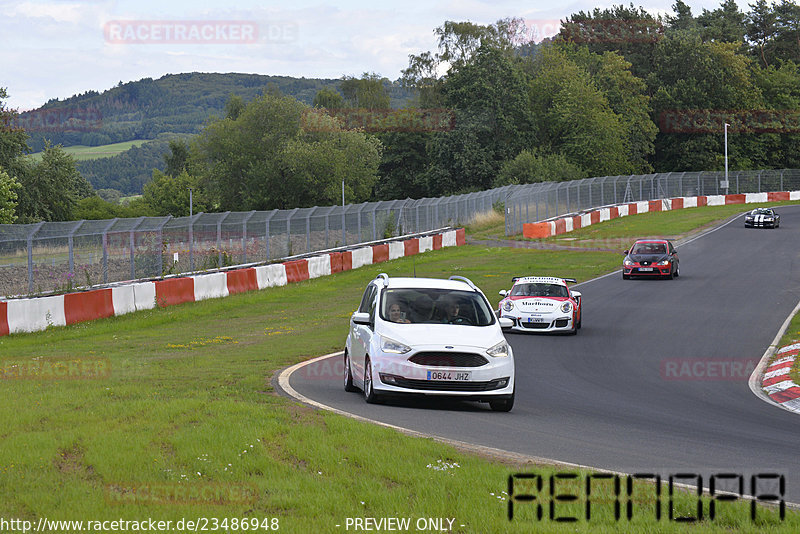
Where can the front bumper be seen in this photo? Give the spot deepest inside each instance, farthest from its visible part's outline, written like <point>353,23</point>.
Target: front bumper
<point>541,323</point>
<point>759,224</point>
<point>396,375</point>
<point>650,270</point>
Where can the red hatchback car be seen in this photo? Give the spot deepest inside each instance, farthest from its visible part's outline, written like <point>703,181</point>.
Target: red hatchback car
<point>649,258</point>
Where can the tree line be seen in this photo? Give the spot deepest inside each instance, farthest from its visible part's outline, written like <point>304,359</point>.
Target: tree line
<point>616,91</point>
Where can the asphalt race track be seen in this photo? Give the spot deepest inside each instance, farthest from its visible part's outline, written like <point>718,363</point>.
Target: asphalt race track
<point>632,392</point>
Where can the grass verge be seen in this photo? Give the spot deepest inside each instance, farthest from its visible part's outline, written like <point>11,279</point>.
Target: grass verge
<point>186,424</point>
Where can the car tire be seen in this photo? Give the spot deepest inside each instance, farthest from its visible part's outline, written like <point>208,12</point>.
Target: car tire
<point>369,392</point>
<point>625,276</point>
<point>503,405</point>
<point>671,275</point>
<point>580,321</point>
<point>348,375</point>
<point>677,271</point>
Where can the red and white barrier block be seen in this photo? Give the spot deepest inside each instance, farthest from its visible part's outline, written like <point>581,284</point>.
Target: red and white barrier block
<point>776,382</point>
<point>33,314</point>
<point>568,223</point>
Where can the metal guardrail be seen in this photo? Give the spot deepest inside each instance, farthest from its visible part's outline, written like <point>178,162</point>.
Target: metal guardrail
<point>541,201</point>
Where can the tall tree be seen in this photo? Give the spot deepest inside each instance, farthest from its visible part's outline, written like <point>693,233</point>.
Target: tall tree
<point>761,30</point>
<point>265,159</point>
<point>177,157</point>
<point>8,198</point>
<point>328,98</point>
<point>367,92</point>
<point>787,39</point>
<point>51,188</point>
<point>493,122</point>
<point>724,24</point>
<point>13,139</point>
<point>574,118</point>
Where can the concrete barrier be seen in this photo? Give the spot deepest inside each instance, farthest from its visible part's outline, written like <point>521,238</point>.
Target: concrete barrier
<point>123,299</point>
<point>271,276</point>
<point>31,315</point>
<point>4,331</point>
<point>174,291</point>
<point>210,286</point>
<point>241,280</point>
<point>144,295</point>
<point>88,305</point>
<point>361,256</point>
<point>319,266</point>
<point>296,271</point>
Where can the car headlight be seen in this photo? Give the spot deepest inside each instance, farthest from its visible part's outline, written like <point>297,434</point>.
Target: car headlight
<point>566,307</point>
<point>749,218</point>
<point>500,350</point>
<point>393,347</point>
<point>508,305</point>
<point>663,262</point>
<point>628,262</point>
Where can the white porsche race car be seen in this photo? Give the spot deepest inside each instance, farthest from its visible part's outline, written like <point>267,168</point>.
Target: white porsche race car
<point>542,304</point>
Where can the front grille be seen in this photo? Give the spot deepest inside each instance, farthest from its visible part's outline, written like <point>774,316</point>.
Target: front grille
<point>536,326</point>
<point>448,359</point>
<point>561,323</point>
<point>446,385</point>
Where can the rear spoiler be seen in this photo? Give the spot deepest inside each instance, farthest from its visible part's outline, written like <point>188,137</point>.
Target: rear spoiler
<point>570,280</point>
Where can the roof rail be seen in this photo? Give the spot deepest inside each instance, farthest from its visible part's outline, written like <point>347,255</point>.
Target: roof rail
<point>464,279</point>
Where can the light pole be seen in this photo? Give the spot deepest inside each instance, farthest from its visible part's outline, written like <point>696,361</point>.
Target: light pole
<point>344,236</point>
<point>727,184</point>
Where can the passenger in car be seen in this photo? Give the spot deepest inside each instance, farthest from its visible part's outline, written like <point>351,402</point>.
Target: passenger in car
<point>397,313</point>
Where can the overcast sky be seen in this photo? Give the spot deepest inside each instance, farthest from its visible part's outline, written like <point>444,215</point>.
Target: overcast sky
<point>57,48</point>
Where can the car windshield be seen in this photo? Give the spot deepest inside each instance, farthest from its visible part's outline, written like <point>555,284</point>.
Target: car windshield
<point>762,211</point>
<point>430,305</point>
<point>539,290</point>
<point>649,248</point>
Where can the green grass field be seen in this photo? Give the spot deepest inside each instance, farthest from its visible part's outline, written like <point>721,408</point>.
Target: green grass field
<point>81,152</point>
<point>187,424</point>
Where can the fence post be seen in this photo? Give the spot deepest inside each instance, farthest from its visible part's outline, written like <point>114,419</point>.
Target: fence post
<point>308,228</point>
<point>244,236</point>
<point>289,251</point>
<point>132,241</point>
<point>71,246</point>
<point>105,249</point>
<point>266,232</point>
<point>30,255</point>
<point>219,238</point>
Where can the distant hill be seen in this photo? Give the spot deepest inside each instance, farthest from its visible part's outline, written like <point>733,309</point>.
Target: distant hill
<point>172,104</point>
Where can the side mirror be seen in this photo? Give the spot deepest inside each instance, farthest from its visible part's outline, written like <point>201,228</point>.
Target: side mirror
<point>577,296</point>
<point>626,252</point>
<point>505,322</point>
<point>503,292</point>
<point>361,318</point>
